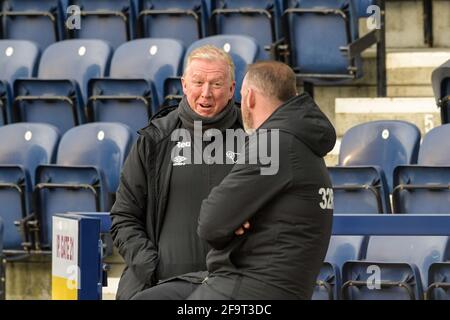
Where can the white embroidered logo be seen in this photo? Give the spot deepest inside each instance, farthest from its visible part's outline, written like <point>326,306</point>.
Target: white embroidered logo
<point>232,156</point>
<point>179,161</point>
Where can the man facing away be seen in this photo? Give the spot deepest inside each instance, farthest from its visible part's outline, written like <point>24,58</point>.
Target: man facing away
<point>269,229</point>
<point>154,218</point>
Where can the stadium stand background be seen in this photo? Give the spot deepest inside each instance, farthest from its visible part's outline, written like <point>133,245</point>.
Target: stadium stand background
<point>413,51</point>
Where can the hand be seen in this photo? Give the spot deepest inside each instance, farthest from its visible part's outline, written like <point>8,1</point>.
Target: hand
<point>241,230</point>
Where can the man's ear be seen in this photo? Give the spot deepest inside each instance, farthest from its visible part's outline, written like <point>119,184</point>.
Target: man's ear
<point>232,89</point>
<point>183,84</point>
<point>251,99</point>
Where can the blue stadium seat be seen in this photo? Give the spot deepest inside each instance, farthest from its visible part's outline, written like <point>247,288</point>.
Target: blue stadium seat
<point>85,176</point>
<point>24,147</point>
<point>359,189</point>
<point>134,90</point>
<point>386,144</point>
<point>403,262</point>
<point>340,250</point>
<point>323,41</point>
<point>58,96</point>
<point>109,20</point>
<point>421,189</point>
<point>254,18</point>
<point>184,20</point>
<point>439,281</point>
<point>39,21</point>
<point>335,24</point>
<point>425,188</point>
<point>435,146</point>
<point>242,49</point>
<point>18,59</point>
<point>440,79</point>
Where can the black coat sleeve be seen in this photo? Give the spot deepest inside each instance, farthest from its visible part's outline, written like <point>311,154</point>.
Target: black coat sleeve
<point>129,216</point>
<point>239,197</point>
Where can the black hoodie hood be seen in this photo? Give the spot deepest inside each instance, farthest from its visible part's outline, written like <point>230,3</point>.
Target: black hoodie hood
<point>301,117</point>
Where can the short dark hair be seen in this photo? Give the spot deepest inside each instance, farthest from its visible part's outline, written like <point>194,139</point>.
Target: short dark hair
<point>273,79</point>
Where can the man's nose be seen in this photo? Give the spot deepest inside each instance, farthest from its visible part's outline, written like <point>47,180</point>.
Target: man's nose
<point>206,90</point>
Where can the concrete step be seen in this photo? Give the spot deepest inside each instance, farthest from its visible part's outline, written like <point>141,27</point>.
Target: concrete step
<point>404,67</point>
<point>408,75</point>
<point>423,112</point>
<point>29,279</point>
<point>414,67</point>
<point>404,24</point>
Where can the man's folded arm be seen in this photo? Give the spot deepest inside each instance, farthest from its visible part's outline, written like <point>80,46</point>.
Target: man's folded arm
<point>235,201</point>
<point>129,217</point>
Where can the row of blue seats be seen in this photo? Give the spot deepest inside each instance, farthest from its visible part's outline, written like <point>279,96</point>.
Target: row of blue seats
<point>118,21</point>
<point>283,29</point>
<point>382,158</point>
<point>70,85</point>
<point>43,172</point>
<point>385,268</point>
<point>28,148</point>
<point>115,21</point>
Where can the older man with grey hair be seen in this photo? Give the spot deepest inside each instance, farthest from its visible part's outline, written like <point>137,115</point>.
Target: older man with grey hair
<point>154,218</point>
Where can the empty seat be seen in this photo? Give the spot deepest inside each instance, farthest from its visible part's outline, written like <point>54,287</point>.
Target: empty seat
<point>434,150</point>
<point>324,44</point>
<point>134,90</point>
<point>255,18</point>
<point>440,79</point>
<point>242,49</point>
<point>39,21</point>
<point>359,189</point>
<point>368,155</point>
<point>386,144</point>
<point>398,265</point>
<point>109,20</point>
<point>18,59</point>
<point>184,20</point>
<point>24,146</point>
<point>421,189</point>
<point>334,23</point>
<point>57,96</point>
<point>85,176</point>
<point>439,281</point>
<point>340,250</point>
<point>425,188</point>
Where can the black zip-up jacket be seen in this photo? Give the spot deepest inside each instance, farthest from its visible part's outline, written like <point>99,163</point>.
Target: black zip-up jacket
<point>290,213</point>
<point>140,207</point>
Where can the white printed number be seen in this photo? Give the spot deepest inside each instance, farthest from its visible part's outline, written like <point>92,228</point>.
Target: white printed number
<point>327,198</point>
<point>429,122</point>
